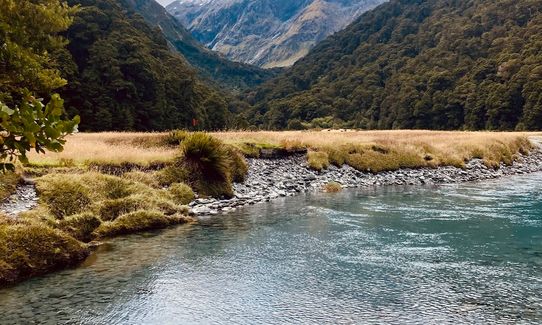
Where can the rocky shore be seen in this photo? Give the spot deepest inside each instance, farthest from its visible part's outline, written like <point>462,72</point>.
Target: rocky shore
<point>269,179</point>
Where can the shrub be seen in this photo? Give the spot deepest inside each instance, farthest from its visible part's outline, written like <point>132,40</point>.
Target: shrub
<point>317,160</point>
<point>182,193</point>
<point>63,194</point>
<point>139,221</point>
<point>210,165</point>
<point>333,187</point>
<point>80,226</point>
<point>32,249</point>
<point>172,174</point>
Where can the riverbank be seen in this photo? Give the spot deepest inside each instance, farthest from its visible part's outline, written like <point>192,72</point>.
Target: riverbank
<point>271,179</point>
<point>142,182</point>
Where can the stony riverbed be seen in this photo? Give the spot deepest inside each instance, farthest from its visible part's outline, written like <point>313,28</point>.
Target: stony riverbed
<point>274,178</point>
<point>269,179</point>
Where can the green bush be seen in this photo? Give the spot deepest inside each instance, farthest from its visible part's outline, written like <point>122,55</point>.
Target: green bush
<point>80,226</point>
<point>182,193</point>
<point>138,221</point>
<point>63,194</point>
<point>32,249</point>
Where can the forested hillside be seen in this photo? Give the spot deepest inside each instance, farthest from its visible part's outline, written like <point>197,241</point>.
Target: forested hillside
<point>122,75</point>
<point>439,64</point>
<point>210,65</point>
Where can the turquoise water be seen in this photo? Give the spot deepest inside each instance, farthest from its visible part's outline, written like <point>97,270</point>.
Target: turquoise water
<point>469,253</point>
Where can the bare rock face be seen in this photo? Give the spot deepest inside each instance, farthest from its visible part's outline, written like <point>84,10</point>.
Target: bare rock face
<point>267,33</point>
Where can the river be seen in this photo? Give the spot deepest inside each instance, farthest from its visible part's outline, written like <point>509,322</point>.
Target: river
<point>466,253</point>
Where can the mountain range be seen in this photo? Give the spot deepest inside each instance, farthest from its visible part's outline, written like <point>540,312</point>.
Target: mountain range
<point>266,33</point>
<point>439,64</point>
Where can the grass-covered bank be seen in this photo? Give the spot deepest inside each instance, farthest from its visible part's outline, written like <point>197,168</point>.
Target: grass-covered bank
<point>82,203</point>
<point>109,184</point>
<point>363,150</point>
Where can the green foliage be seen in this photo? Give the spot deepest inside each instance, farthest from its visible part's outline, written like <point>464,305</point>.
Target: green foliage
<point>123,75</point>
<point>32,249</point>
<point>417,64</point>
<point>29,34</point>
<point>182,193</point>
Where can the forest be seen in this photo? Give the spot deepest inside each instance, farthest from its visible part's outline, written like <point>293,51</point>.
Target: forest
<point>440,64</point>
<point>122,75</point>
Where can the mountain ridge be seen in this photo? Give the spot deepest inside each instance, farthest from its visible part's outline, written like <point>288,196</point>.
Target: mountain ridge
<point>266,33</point>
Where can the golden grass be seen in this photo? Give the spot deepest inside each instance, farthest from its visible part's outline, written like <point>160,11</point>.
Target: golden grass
<point>366,150</point>
<point>109,148</point>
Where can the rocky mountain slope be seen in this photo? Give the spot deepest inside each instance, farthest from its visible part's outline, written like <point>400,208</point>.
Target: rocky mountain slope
<point>439,64</point>
<point>211,65</point>
<point>267,33</point>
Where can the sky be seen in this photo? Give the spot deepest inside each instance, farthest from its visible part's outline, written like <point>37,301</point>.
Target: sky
<point>164,2</point>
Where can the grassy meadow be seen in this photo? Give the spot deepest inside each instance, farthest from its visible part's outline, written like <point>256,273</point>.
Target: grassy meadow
<point>364,150</point>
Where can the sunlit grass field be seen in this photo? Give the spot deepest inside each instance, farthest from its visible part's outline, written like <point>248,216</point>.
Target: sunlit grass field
<point>365,150</point>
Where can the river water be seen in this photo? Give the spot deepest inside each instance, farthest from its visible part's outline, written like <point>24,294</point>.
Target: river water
<point>468,253</point>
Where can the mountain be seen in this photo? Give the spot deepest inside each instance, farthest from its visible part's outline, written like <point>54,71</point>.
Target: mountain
<point>123,76</point>
<point>211,65</point>
<point>439,64</point>
<point>267,33</point>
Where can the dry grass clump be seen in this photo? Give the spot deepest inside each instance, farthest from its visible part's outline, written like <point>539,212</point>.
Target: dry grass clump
<point>79,203</point>
<point>317,160</point>
<point>30,249</point>
<point>333,187</point>
<point>80,226</point>
<point>181,193</point>
<point>142,220</point>
<point>208,165</point>
<point>8,184</point>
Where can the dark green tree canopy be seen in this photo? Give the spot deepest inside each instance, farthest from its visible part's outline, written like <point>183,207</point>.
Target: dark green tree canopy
<point>437,64</point>
<point>29,35</point>
<point>123,76</point>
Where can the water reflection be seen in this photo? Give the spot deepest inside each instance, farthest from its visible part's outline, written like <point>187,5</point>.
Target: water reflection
<point>459,253</point>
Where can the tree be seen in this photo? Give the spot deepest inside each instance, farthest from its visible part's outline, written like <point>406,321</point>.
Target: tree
<point>29,37</point>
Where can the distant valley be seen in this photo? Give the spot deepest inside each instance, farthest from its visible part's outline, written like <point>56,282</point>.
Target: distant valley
<point>266,33</point>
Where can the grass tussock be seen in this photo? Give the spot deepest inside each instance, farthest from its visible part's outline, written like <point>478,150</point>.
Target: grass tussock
<point>208,165</point>
<point>142,220</point>
<point>332,187</point>
<point>8,184</point>
<point>181,193</point>
<point>31,249</point>
<point>317,160</point>
<point>78,204</point>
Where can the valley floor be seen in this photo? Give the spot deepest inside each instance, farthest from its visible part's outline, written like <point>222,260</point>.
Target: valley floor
<point>109,184</point>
